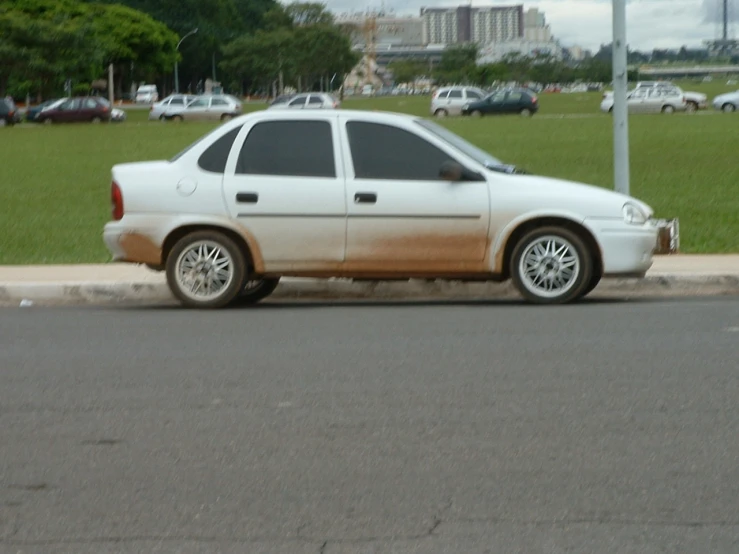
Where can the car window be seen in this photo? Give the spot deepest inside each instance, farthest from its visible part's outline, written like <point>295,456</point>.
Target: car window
<point>216,155</point>
<point>70,105</point>
<point>497,97</point>
<point>199,103</point>
<point>455,94</point>
<point>474,95</point>
<point>386,152</point>
<point>90,104</point>
<point>218,102</point>
<point>313,99</point>
<point>297,101</point>
<point>295,148</point>
<point>443,94</point>
<point>514,97</point>
<point>175,102</point>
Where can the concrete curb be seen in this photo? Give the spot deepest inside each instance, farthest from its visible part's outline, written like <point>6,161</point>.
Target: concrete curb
<point>101,293</point>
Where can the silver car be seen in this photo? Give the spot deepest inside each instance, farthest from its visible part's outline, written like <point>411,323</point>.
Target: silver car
<point>209,107</point>
<point>307,100</point>
<point>451,100</point>
<point>727,102</point>
<point>650,100</point>
<point>174,101</point>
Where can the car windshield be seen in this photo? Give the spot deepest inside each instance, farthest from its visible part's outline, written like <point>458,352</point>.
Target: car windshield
<point>467,148</point>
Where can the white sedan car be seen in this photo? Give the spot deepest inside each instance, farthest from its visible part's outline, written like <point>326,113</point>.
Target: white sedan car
<point>366,195</point>
<point>650,100</point>
<point>728,102</point>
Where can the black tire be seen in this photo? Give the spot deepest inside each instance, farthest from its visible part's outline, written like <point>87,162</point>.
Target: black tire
<point>441,113</point>
<point>476,113</point>
<point>691,107</point>
<point>580,280</point>
<point>728,107</point>
<point>668,109</point>
<point>239,270</point>
<point>526,112</point>
<point>96,119</point>
<point>594,281</point>
<point>177,118</point>
<point>256,290</point>
<point>226,117</point>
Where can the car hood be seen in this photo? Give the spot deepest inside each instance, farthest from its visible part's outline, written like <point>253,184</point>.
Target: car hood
<point>585,199</point>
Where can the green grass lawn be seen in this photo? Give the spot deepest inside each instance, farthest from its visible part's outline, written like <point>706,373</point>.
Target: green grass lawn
<point>55,180</point>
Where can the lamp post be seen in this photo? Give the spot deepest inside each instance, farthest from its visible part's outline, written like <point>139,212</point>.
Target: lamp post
<point>620,107</point>
<point>176,75</point>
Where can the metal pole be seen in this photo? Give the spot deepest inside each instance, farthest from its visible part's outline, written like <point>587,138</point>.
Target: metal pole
<point>176,79</point>
<point>620,108</point>
<point>111,94</point>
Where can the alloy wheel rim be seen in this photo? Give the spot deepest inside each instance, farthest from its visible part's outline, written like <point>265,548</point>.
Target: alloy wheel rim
<point>549,266</point>
<point>204,270</point>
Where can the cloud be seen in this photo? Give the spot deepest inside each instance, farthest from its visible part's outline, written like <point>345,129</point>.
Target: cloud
<point>588,23</point>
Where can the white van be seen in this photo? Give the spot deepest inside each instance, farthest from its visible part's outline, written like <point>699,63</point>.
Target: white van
<point>147,94</point>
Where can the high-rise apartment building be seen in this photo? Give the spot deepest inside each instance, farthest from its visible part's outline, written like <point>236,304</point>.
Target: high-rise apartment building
<point>472,24</point>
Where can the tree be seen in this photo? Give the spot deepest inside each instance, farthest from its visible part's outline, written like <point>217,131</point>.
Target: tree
<point>458,64</point>
<point>309,13</point>
<point>406,71</point>
<point>62,39</point>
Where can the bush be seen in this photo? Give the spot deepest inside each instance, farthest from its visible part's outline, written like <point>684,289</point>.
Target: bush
<point>81,89</point>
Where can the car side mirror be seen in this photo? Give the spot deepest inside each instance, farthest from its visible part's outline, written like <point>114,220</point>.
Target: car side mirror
<point>452,171</point>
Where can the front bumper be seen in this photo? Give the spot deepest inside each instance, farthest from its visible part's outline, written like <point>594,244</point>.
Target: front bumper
<point>625,249</point>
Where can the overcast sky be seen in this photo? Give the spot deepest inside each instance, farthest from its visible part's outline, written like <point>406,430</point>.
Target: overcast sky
<point>587,23</point>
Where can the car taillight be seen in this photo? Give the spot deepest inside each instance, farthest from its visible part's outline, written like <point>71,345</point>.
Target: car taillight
<point>534,99</point>
<point>116,201</point>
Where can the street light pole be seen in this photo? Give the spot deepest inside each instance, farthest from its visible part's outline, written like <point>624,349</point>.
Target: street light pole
<point>620,107</point>
<point>176,74</point>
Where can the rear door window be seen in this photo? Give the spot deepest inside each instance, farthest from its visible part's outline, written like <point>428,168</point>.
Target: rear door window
<point>288,148</point>
<point>215,157</point>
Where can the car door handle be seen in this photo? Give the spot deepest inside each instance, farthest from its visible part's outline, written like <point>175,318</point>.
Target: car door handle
<point>247,197</point>
<point>365,198</point>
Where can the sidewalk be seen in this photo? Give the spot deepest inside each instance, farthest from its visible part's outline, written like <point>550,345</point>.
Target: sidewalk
<point>106,283</point>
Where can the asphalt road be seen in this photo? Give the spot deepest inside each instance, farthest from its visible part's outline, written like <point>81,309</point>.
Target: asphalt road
<point>605,427</point>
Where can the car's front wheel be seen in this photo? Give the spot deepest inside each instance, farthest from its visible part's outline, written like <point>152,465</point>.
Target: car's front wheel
<point>255,290</point>
<point>551,265</point>
<point>206,269</point>
<point>441,113</point>
<point>728,107</point>
<point>668,109</point>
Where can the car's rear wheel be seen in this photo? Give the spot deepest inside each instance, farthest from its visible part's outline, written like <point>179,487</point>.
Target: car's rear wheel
<point>3,122</point>
<point>226,117</point>
<point>551,265</point>
<point>48,121</point>
<point>255,290</point>
<point>177,118</point>
<point>668,109</point>
<point>206,269</point>
<point>476,113</point>
<point>691,107</point>
<point>728,107</point>
<point>525,112</point>
<point>441,113</point>
<point>96,119</point>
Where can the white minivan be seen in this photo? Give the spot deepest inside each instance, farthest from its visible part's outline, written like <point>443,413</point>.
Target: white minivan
<point>147,94</point>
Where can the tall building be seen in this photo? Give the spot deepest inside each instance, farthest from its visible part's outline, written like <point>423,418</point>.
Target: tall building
<point>463,24</point>
<point>535,26</point>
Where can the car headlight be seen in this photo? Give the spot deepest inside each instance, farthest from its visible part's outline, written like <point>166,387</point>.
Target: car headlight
<point>633,215</point>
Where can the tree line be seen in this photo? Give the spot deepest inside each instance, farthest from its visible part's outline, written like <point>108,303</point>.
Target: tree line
<point>245,44</point>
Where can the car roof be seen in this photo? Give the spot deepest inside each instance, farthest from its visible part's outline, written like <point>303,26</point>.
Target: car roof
<point>379,116</point>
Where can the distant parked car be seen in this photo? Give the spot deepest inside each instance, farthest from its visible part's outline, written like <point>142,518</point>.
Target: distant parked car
<point>212,107</point>
<point>172,101</point>
<point>281,99</point>
<point>728,102</point>
<point>451,100</point>
<point>515,101</point>
<point>650,100</point>
<point>33,112</point>
<point>307,100</point>
<point>358,194</point>
<point>9,114</point>
<point>147,94</point>
<point>74,110</point>
<point>694,101</point>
